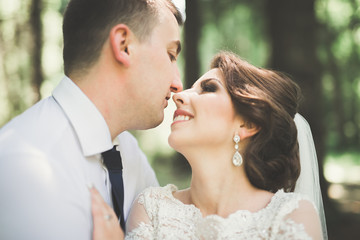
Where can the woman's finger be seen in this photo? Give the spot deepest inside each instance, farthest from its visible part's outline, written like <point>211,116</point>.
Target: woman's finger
<point>106,224</point>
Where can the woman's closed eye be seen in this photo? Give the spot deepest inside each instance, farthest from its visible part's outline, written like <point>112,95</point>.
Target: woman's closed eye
<point>208,86</point>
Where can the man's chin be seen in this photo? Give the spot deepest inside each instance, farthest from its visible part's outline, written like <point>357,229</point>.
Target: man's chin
<point>152,123</point>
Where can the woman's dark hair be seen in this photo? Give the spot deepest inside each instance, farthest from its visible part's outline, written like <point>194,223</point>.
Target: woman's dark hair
<point>87,24</point>
<point>269,100</point>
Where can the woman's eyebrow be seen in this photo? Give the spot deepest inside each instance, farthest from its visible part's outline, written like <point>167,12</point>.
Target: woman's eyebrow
<point>209,79</point>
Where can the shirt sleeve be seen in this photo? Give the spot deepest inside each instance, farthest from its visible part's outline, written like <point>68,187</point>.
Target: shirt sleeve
<point>32,201</point>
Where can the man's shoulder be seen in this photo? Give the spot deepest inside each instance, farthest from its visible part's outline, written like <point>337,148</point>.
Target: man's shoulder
<point>42,122</point>
<point>42,110</point>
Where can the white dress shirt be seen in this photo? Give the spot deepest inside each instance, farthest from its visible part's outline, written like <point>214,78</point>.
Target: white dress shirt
<point>48,157</point>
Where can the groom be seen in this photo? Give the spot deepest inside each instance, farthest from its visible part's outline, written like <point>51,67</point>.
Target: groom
<point>120,67</point>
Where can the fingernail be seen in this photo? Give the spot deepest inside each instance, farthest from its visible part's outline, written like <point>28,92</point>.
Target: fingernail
<point>90,186</point>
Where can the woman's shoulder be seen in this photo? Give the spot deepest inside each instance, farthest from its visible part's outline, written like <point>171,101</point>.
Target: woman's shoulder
<point>152,198</point>
<point>295,210</point>
<point>157,193</point>
<point>290,199</point>
<point>165,190</point>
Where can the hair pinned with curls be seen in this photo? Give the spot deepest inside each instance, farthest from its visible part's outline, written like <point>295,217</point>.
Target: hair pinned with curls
<point>269,100</point>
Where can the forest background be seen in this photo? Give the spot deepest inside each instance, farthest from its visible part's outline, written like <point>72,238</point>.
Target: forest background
<point>317,42</point>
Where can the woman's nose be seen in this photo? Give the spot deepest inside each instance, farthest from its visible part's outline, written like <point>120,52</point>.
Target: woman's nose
<point>180,98</point>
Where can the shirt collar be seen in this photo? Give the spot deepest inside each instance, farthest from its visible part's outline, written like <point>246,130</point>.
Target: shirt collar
<point>88,123</point>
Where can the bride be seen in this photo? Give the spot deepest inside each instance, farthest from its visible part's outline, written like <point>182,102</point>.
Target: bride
<point>236,128</point>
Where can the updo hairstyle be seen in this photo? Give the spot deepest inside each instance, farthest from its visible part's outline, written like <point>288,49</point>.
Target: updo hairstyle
<point>269,100</point>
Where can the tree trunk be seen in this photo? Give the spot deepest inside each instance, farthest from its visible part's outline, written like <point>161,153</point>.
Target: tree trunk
<point>192,38</point>
<point>37,76</point>
<point>292,29</point>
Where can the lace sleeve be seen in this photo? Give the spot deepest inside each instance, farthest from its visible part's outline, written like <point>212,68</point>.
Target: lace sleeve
<point>138,225</point>
<point>301,223</point>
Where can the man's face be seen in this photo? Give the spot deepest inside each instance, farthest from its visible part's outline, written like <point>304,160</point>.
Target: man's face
<point>155,71</point>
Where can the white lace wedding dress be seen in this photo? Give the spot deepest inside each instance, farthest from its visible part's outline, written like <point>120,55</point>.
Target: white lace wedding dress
<point>161,216</point>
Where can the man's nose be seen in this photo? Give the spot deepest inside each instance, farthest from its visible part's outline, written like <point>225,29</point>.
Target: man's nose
<point>176,84</point>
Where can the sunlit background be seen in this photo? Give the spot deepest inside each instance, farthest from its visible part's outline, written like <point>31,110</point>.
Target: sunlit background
<point>31,66</point>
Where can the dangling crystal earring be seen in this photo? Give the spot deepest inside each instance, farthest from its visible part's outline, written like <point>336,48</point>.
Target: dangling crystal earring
<point>237,158</point>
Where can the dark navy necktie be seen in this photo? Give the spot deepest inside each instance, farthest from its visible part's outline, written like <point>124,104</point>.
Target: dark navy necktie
<point>112,161</point>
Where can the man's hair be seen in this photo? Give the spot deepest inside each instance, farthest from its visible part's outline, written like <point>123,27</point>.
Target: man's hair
<point>87,24</point>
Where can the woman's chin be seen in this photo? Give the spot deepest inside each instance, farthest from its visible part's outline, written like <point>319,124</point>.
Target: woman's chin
<point>175,143</point>
<point>172,142</point>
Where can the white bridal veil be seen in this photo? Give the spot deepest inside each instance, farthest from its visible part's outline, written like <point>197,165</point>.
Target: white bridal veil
<point>308,181</point>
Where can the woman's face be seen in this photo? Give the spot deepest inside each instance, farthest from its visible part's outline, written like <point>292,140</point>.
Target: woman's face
<point>205,115</point>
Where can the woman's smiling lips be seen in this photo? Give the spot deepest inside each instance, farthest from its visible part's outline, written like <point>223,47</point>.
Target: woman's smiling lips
<point>181,115</point>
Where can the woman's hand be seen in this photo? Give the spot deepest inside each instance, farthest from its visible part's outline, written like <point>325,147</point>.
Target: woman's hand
<point>106,224</point>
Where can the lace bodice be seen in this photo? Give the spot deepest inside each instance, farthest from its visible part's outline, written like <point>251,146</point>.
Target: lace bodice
<point>165,217</point>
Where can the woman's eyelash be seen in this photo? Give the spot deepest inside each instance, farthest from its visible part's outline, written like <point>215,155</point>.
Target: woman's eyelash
<point>208,87</point>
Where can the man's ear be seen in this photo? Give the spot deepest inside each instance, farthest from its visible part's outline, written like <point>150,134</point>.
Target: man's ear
<point>119,41</point>
<point>248,130</point>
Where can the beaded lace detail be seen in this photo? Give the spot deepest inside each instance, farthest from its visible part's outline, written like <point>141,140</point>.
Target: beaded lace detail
<point>169,218</point>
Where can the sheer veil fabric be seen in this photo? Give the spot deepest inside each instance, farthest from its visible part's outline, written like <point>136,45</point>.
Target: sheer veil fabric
<point>308,182</point>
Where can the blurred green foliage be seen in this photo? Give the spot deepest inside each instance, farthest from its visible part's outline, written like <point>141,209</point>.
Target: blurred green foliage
<point>350,158</point>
